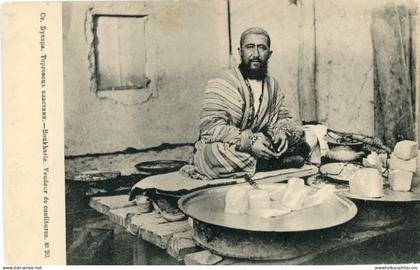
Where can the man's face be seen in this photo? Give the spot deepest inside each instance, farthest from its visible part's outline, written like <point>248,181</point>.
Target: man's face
<point>255,52</point>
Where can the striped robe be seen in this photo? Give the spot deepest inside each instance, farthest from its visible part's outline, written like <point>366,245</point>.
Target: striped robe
<point>225,126</point>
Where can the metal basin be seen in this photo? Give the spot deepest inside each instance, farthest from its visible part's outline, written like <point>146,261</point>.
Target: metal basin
<point>262,246</point>
<point>208,206</point>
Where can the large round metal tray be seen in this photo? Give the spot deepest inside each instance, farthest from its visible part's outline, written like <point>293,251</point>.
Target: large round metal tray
<point>208,206</point>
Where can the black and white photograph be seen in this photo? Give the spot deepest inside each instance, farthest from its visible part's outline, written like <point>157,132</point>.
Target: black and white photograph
<point>239,132</point>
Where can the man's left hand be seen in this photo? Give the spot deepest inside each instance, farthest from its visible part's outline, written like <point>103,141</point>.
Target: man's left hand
<point>280,139</point>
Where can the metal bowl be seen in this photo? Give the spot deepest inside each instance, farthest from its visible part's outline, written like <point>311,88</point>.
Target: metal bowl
<point>332,142</point>
<point>160,166</point>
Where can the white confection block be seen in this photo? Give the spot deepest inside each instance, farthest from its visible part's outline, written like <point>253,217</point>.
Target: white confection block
<point>323,194</point>
<point>396,163</point>
<point>277,193</point>
<point>279,206</point>
<point>258,199</point>
<point>367,182</point>
<point>400,180</point>
<point>295,194</point>
<point>406,150</point>
<point>236,200</point>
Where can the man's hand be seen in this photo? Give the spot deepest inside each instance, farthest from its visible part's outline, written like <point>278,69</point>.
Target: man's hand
<point>262,148</point>
<point>280,139</point>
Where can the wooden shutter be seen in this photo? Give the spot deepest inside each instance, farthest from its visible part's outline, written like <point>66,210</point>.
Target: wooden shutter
<point>120,51</point>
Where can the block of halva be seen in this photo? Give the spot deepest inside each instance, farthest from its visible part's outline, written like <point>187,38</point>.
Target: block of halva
<point>406,150</point>
<point>258,199</point>
<point>295,194</point>
<point>396,163</point>
<point>367,182</point>
<point>236,200</point>
<point>400,180</point>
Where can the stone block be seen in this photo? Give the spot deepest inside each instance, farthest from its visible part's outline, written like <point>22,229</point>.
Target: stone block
<point>160,234</point>
<point>105,204</point>
<point>203,257</point>
<point>181,244</point>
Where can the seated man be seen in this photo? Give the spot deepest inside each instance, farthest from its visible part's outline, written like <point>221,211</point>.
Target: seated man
<point>244,122</point>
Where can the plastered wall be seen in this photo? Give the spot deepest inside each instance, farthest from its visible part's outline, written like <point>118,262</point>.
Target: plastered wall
<point>344,61</point>
<point>343,54</point>
<point>189,43</point>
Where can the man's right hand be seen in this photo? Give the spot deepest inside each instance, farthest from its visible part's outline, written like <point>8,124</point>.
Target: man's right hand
<point>262,148</point>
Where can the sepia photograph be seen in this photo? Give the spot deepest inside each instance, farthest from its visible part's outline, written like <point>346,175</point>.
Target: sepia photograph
<point>239,132</point>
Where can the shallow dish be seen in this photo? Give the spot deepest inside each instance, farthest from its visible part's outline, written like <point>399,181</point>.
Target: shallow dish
<point>160,166</point>
<point>340,171</point>
<point>95,176</point>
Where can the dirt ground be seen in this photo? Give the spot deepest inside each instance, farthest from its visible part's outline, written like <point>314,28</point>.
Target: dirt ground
<point>126,249</point>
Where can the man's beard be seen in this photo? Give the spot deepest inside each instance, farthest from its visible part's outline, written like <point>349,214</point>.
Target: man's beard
<point>254,74</point>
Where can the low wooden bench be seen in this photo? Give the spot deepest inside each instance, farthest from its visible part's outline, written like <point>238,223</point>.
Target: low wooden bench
<point>176,237</point>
